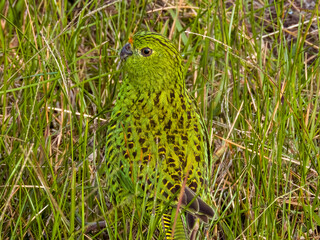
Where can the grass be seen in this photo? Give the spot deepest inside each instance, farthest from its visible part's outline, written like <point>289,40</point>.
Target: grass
<point>252,66</point>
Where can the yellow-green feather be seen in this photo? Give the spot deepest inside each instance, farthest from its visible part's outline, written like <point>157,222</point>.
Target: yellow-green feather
<point>157,136</point>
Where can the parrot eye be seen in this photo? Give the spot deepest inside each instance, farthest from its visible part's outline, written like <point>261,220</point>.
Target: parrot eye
<point>146,52</point>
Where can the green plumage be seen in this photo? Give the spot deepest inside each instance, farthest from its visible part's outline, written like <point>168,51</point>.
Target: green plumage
<point>157,137</point>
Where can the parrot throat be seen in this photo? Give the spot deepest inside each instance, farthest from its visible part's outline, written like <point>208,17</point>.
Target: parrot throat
<point>156,79</point>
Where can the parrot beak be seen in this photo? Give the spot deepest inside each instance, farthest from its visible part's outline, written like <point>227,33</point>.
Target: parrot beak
<point>126,51</point>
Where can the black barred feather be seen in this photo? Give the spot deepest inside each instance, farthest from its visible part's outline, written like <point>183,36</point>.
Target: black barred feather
<point>157,136</point>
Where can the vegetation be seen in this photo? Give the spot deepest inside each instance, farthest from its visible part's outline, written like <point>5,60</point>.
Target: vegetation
<point>252,66</point>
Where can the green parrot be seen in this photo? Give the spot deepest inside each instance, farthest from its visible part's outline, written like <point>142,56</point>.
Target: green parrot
<point>157,143</point>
